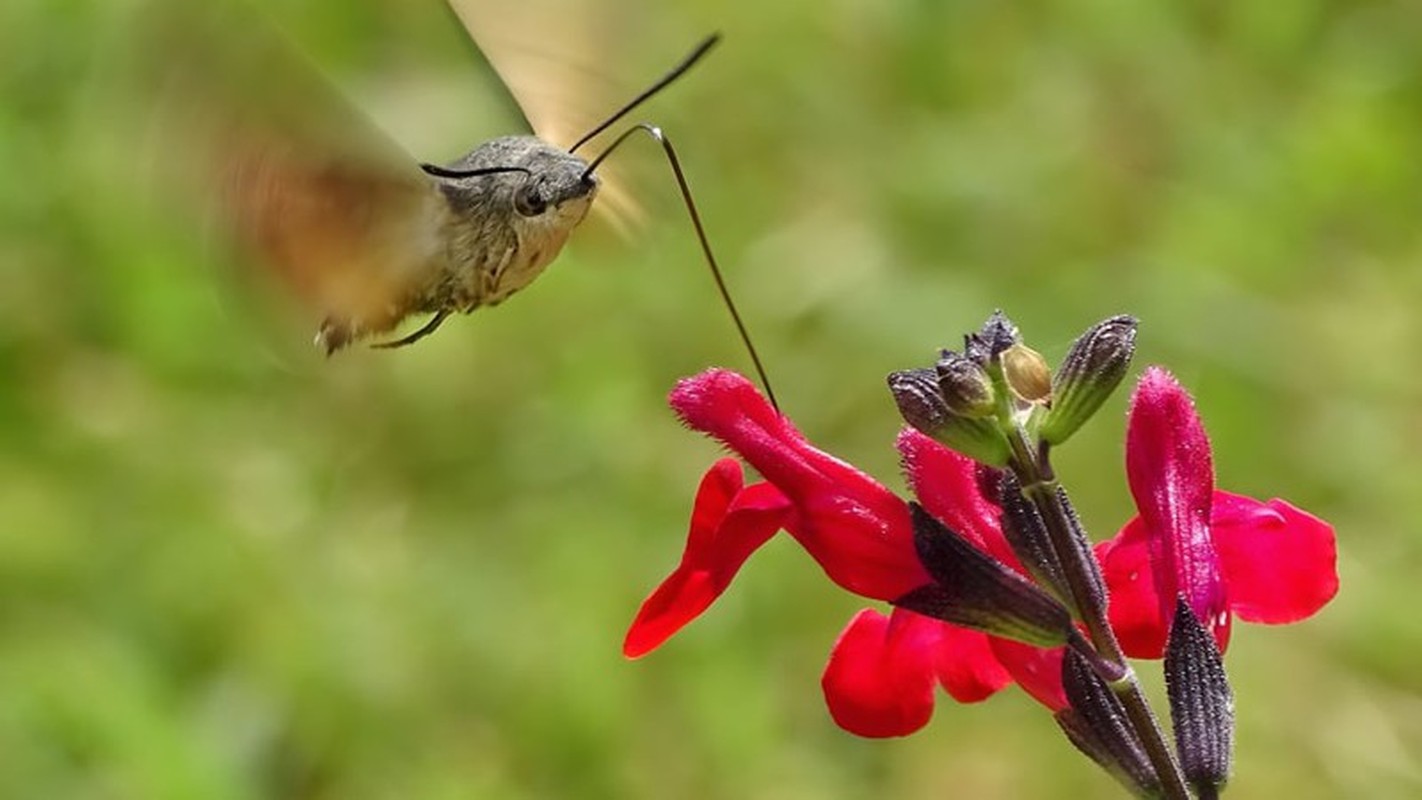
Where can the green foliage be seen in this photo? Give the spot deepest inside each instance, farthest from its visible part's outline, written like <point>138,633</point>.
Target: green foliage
<point>230,568</point>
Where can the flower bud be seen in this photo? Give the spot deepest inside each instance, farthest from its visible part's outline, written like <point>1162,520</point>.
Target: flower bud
<point>919,399</point>
<point>965,385</point>
<point>1201,702</point>
<point>922,406</point>
<point>1095,365</point>
<point>1027,373</point>
<point>996,335</point>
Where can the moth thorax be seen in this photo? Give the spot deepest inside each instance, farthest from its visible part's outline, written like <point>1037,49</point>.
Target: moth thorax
<point>513,216</point>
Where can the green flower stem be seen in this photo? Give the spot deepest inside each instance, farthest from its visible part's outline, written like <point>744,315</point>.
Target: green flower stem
<point>1039,484</point>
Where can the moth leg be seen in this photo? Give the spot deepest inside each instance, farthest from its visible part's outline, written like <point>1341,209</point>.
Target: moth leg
<point>427,329</point>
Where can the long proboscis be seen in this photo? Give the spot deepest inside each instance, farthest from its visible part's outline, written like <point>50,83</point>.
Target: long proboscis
<point>662,83</point>
<point>656,133</point>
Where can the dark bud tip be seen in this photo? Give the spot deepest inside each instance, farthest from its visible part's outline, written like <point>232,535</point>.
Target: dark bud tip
<point>996,335</point>
<point>921,404</point>
<point>1201,702</point>
<point>1093,368</point>
<point>965,385</point>
<point>919,399</point>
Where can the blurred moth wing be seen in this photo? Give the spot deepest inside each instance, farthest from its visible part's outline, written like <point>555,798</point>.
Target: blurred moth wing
<point>549,55</point>
<point>303,182</point>
<point>544,55</point>
<point>358,244</point>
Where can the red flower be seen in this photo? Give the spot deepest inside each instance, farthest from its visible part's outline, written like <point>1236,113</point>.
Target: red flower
<point>1226,554</point>
<point>884,671</point>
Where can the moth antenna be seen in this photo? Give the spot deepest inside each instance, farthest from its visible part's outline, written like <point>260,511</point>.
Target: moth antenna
<point>676,72</point>
<point>441,172</point>
<point>656,133</point>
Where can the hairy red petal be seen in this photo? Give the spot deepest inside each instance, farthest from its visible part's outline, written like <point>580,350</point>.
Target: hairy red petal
<point>1281,562</point>
<point>858,530</point>
<point>946,483</point>
<point>880,678</point>
<point>966,665</point>
<point>718,487</point>
<point>1134,610</point>
<point>728,523</point>
<point>1172,479</point>
<point>1037,671</point>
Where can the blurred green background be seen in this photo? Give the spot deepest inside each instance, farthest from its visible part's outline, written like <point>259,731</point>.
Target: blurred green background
<point>230,568</point>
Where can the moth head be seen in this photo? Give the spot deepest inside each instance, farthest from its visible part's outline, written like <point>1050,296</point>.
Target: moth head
<point>521,181</point>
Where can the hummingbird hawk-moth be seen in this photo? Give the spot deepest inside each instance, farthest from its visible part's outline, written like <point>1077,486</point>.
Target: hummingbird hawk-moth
<point>362,232</point>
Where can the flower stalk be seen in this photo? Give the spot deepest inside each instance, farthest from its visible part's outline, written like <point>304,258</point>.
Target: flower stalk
<point>1042,490</point>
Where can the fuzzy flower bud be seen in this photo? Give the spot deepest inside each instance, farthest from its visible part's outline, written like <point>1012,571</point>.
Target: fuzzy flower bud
<point>921,403</point>
<point>965,386</point>
<point>1093,368</point>
<point>1201,703</point>
<point>989,342</point>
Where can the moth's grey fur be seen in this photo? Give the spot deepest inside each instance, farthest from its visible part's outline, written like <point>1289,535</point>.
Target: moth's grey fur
<point>493,249</point>
<point>479,248</point>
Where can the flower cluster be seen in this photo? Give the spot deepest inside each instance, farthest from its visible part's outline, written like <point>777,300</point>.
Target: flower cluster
<point>988,570</point>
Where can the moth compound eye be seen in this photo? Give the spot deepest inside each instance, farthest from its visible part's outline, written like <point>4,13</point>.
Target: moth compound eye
<point>528,202</point>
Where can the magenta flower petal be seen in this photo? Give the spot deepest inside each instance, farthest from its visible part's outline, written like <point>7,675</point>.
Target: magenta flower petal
<point>883,671</point>
<point>1134,610</point>
<point>881,677</point>
<point>728,523</point>
<point>1172,479</point>
<point>967,667</point>
<point>1280,561</point>
<point>1279,564</point>
<point>946,484</point>
<point>858,530</point>
<point>1038,671</point>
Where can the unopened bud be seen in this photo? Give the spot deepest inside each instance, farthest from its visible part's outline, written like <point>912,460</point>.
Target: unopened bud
<point>1201,702</point>
<point>922,406</point>
<point>1027,373</point>
<point>965,385</point>
<point>919,399</point>
<point>1094,367</point>
<point>996,335</point>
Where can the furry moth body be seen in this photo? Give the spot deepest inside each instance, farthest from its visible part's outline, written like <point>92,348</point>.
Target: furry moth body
<point>370,251</point>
